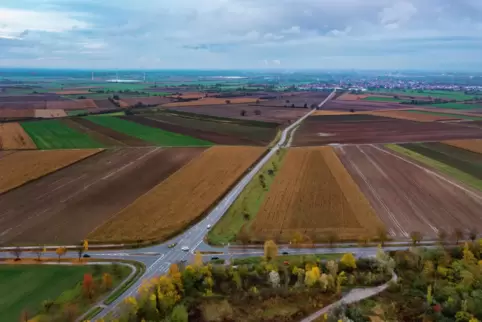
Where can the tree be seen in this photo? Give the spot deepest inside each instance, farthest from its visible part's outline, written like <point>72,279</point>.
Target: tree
<point>80,252</point>
<point>270,250</point>
<point>348,260</point>
<point>332,238</point>
<point>469,257</point>
<point>179,314</point>
<point>312,276</point>
<point>257,112</point>
<point>458,234</point>
<point>274,278</point>
<point>198,259</point>
<point>297,238</point>
<point>473,235</point>
<point>332,267</point>
<point>442,236</point>
<point>107,281</point>
<point>262,181</point>
<point>17,252</point>
<point>61,251</point>
<point>88,286</point>
<point>382,235</point>
<point>24,316</point>
<point>257,101</point>
<point>47,305</point>
<point>243,113</point>
<point>38,252</point>
<point>416,237</point>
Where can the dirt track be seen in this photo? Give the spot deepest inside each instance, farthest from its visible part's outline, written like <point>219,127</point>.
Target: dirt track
<point>114,135</point>
<point>359,129</point>
<point>406,197</point>
<point>65,206</point>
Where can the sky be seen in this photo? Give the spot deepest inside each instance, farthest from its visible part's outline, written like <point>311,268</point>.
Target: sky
<point>242,34</point>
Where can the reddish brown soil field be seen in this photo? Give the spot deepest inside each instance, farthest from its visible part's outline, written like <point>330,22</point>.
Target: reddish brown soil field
<point>72,105</point>
<point>30,98</point>
<point>23,105</point>
<point>113,135</point>
<point>360,106</point>
<point>155,100</point>
<point>73,92</point>
<point>105,104</point>
<point>68,204</point>
<point>214,101</point>
<point>358,129</point>
<point>268,114</point>
<point>97,136</point>
<point>408,197</point>
<point>210,136</point>
<point>46,113</point>
<point>19,113</point>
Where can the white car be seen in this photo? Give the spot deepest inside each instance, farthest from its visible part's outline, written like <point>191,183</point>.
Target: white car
<point>185,248</point>
<point>209,226</point>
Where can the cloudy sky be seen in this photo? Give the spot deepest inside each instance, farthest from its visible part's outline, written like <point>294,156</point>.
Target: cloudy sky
<point>238,34</point>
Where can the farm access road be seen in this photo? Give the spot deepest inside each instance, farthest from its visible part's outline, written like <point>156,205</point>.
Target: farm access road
<point>158,258</point>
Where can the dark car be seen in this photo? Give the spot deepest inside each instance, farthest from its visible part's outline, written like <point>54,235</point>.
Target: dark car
<point>214,258</point>
<point>285,253</point>
<point>86,256</point>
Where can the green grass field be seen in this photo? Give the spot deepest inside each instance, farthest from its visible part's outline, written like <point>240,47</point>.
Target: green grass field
<point>52,134</point>
<point>292,259</point>
<point>77,112</point>
<point>149,134</point>
<point>456,106</point>
<point>110,114</point>
<point>440,166</point>
<point>381,99</point>
<point>448,95</point>
<point>249,201</point>
<point>456,116</point>
<point>25,287</point>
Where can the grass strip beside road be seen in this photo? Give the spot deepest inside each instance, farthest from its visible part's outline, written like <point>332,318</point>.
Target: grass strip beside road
<point>442,167</point>
<point>141,268</point>
<point>290,258</point>
<point>146,133</point>
<point>249,201</point>
<point>93,313</point>
<point>53,134</point>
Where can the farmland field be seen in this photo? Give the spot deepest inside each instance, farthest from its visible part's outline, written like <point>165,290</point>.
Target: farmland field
<point>227,132</point>
<point>315,196</point>
<point>470,145</point>
<point>382,99</point>
<point>23,166</point>
<point>53,134</point>
<point>454,116</point>
<point>463,160</point>
<point>49,113</point>
<point>457,106</point>
<point>148,134</point>
<point>360,128</point>
<point>407,196</point>
<point>448,95</point>
<point>25,287</point>
<point>67,205</point>
<point>13,137</point>
<point>180,199</point>
<point>213,101</point>
<point>406,115</point>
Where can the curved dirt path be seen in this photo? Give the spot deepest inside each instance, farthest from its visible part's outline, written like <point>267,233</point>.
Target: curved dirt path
<point>353,296</point>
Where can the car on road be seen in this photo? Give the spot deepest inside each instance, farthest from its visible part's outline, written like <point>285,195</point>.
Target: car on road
<point>86,256</point>
<point>185,248</point>
<point>285,253</point>
<point>209,226</point>
<point>183,260</point>
<point>214,258</point>
<point>172,245</point>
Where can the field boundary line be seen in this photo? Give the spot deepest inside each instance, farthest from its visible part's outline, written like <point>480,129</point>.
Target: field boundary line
<point>65,167</point>
<point>443,178</point>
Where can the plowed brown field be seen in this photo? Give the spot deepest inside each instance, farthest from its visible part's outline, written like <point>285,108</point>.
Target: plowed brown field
<point>49,113</point>
<point>471,145</point>
<point>180,199</point>
<point>404,115</point>
<point>314,195</point>
<point>21,167</point>
<point>13,137</point>
<point>409,197</point>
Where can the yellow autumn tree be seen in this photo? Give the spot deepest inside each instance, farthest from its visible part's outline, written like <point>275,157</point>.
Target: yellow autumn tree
<point>469,257</point>
<point>312,276</point>
<point>107,281</point>
<point>348,260</point>
<point>61,251</point>
<point>167,292</point>
<point>270,250</point>
<point>198,259</point>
